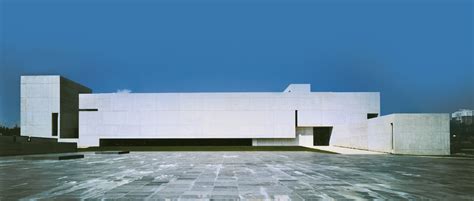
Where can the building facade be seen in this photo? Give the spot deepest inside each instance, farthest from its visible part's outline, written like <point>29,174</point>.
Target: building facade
<point>294,117</point>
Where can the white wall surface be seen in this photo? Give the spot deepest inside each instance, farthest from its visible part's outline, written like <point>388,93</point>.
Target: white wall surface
<point>417,134</point>
<point>39,99</point>
<point>298,88</point>
<point>215,115</point>
<point>421,134</point>
<point>380,134</point>
<point>275,142</point>
<point>352,135</point>
<point>304,137</point>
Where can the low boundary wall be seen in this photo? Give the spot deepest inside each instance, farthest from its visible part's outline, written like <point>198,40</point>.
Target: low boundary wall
<point>23,145</point>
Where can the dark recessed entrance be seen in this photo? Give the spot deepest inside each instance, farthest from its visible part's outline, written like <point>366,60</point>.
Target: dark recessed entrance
<point>175,142</point>
<point>321,136</point>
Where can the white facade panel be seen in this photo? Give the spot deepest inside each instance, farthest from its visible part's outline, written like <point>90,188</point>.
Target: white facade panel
<point>216,115</point>
<point>39,99</point>
<point>421,134</point>
<point>380,137</point>
<point>417,134</point>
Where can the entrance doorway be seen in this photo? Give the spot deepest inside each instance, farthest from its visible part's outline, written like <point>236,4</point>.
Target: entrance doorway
<point>322,135</point>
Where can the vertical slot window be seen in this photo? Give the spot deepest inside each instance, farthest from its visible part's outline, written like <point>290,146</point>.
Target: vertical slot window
<point>54,124</point>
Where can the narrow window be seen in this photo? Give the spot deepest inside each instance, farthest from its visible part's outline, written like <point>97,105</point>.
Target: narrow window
<point>391,126</point>
<point>296,118</point>
<point>54,124</point>
<point>88,110</point>
<point>372,115</point>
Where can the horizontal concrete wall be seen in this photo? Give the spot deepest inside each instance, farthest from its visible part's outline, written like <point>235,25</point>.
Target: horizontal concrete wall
<point>304,137</point>
<point>215,115</point>
<point>417,134</point>
<point>330,109</point>
<point>421,134</point>
<point>352,135</point>
<point>275,142</point>
<point>19,145</point>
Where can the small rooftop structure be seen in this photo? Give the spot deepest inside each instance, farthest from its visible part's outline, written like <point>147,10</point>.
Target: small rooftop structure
<point>298,88</point>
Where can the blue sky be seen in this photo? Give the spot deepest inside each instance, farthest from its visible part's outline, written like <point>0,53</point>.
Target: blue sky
<point>418,54</point>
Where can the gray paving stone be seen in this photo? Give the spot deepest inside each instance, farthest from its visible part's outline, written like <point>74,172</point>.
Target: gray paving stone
<point>235,176</point>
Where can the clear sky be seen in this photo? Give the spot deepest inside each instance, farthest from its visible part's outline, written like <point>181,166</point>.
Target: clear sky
<point>418,54</point>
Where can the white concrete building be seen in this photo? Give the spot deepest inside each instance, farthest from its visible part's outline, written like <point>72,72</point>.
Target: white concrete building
<point>49,107</point>
<point>294,117</point>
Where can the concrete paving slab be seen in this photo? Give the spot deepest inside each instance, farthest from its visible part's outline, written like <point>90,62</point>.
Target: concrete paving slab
<point>238,175</point>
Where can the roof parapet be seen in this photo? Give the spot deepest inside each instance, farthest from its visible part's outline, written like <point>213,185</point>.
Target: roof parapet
<point>298,88</point>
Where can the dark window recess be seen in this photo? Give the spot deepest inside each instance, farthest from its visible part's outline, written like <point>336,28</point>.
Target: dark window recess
<point>372,115</point>
<point>391,126</point>
<point>321,136</point>
<point>296,118</point>
<point>54,124</point>
<point>88,110</point>
<point>176,142</point>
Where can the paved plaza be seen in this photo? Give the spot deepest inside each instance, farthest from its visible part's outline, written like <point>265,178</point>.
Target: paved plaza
<point>258,175</point>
